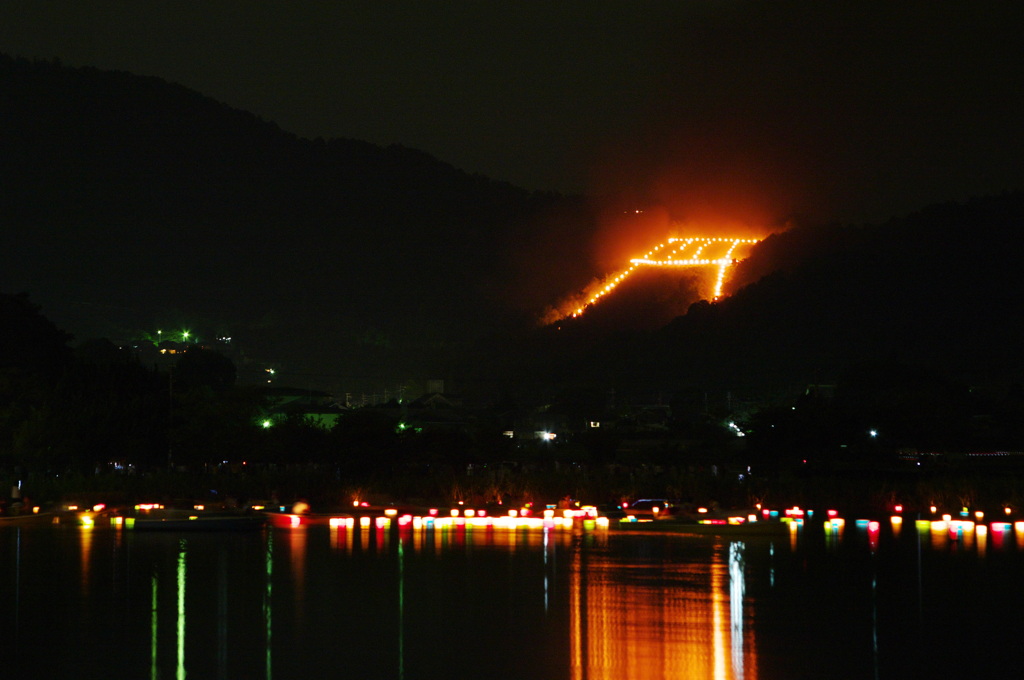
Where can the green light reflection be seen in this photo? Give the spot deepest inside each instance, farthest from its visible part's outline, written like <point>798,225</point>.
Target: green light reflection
<point>267,610</point>
<point>181,610</point>
<point>401,611</point>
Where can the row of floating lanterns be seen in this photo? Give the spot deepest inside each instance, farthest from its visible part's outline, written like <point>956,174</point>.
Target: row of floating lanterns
<point>796,516</point>
<point>964,525</point>
<point>585,516</point>
<point>945,524</point>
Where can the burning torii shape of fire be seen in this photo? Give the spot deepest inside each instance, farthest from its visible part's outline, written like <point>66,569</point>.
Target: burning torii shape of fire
<point>681,252</point>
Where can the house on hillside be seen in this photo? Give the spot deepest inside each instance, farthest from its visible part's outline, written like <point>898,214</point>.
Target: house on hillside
<point>436,412</point>
<point>281,403</point>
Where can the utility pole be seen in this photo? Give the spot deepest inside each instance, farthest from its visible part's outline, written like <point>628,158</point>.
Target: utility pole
<point>170,418</point>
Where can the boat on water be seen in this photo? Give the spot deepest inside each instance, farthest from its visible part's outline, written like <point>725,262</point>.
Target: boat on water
<point>171,519</point>
<point>31,519</point>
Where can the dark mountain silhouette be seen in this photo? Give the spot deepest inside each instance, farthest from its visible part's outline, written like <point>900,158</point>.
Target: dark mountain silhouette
<point>130,203</point>
<point>938,290</point>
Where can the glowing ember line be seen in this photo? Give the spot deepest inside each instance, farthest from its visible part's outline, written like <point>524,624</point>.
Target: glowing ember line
<point>676,258</point>
<point>681,263</point>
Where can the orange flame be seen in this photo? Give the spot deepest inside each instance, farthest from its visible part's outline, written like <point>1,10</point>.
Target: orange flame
<point>678,252</point>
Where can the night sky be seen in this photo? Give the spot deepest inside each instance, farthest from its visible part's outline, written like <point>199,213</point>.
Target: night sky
<point>735,112</point>
<point>719,118</point>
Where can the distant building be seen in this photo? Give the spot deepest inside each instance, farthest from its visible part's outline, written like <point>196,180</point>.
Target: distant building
<point>436,411</point>
<point>314,406</point>
<point>542,425</point>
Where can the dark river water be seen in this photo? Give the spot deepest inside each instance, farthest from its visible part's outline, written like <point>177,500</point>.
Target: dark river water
<point>317,602</point>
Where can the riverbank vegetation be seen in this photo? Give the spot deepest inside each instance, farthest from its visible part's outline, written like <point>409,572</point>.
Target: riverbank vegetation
<point>95,423</point>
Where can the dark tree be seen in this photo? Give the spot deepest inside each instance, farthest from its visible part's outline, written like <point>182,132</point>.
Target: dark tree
<point>30,344</point>
<point>198,367</point>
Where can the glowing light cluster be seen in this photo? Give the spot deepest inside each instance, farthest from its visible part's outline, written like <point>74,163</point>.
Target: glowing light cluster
<point>679,252</point>
<point>585,517</point>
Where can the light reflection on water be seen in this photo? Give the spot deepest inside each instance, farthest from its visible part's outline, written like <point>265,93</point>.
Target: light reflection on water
<point>381,603</point>
<point>665,620</point>
<point>180,630</point>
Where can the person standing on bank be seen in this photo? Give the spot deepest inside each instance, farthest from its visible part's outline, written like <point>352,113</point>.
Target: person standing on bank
<point>15,504</point>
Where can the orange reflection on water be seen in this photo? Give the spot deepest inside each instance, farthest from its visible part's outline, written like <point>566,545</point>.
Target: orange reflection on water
<point>670,620</point>
<point>297,552</point>
<point>459,536</point>
<point>342,539</point>
<point>86,534</point>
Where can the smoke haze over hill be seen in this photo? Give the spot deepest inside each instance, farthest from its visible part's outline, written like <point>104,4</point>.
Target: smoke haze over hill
<point>132,204</point>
